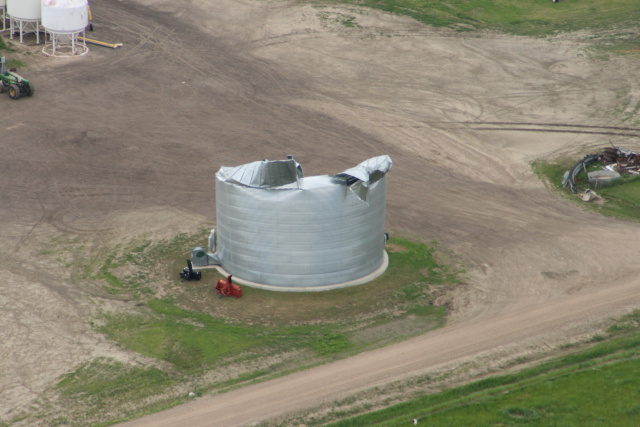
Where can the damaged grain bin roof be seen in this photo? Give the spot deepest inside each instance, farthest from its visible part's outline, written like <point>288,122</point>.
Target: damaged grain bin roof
<point>359,178</point>
<point>264,174</point>
<point>277,227</point>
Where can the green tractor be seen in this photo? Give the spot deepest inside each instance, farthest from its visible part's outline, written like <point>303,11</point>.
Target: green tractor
<point>15,84</point>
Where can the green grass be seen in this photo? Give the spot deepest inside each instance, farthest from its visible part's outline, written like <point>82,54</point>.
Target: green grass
<point>139,256</point>
<point>8,48</point>
<point>190,340</point>
<point>188,332</point>
<point>522,17</point>
<point>621,200</point>
<point>414,273</point>
<point>601,395</point>
<point>552,172</point>
<point>598,385</point>
<point>103,386</point>
<point>105,382</point>
<point>195,329</point>
<point>331,343</point>
<point>3,45</point>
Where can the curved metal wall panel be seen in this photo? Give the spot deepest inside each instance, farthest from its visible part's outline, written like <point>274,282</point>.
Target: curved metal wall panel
<point>319,234</point>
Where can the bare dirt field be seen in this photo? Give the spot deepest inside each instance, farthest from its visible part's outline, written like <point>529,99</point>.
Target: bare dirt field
<point>122,142</point>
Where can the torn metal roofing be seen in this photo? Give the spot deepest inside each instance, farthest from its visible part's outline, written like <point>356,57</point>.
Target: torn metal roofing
<point>370,168</point>
<point>287,174</point>
<point>264,174</point>
<point>360,177</point>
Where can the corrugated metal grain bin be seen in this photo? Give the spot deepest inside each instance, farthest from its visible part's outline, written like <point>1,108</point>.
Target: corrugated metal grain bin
<point>276,227</point>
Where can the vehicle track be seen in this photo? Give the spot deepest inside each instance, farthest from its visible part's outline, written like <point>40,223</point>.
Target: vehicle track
<point>558,128</point>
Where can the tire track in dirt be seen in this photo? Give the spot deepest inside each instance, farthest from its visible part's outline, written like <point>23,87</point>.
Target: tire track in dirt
<point>578,126</point>
<point>585,130</point>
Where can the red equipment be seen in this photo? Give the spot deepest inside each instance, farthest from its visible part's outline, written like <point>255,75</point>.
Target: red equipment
<point>228,289</point>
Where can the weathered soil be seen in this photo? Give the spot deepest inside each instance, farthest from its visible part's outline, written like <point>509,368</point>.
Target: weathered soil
<point>124,142</point>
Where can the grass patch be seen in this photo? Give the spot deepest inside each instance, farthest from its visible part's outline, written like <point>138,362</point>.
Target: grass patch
<point>107,382</point>
<point>558,392</point>
<point>620,200</point>
<point>552,172</point>
<point>14,63</point>
<point>415,273</point>
<point>549,400</point>
<point>521,17</point>
<point>130,271</point>
<point>331,343</point>
<point>195,329</point>
<point>190,332</point>
<point>336,18</point>
<point>104,386</point>
<point>195,341</point>
<point>6,47</point>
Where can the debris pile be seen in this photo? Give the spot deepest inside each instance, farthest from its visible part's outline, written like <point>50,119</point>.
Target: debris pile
<point>615,159</point>
<point>621,161</point>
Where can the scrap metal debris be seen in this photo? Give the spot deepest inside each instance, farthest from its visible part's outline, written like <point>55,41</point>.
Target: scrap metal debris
<point>615,159</point>
<point>621,161</point>
<point>589,195</point>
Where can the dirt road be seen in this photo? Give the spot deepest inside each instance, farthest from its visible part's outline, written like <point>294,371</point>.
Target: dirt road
<point>437,350</point>
<point>123,142</point>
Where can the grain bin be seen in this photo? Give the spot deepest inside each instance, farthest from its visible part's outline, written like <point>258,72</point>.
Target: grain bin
<point>284,231</point>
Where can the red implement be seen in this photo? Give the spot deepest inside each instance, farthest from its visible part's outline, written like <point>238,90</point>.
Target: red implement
<point>226,288</point>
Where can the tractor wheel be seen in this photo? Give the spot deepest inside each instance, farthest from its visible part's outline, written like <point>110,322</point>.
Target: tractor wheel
<point>30,89</point>
<point>14,92</point>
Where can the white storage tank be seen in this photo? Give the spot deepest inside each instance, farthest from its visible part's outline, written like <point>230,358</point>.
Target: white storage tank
<point>28,10</point>
<point>65,16</point>
<point>24,18</point>
<point>3,14</point>
<point>276,227</point>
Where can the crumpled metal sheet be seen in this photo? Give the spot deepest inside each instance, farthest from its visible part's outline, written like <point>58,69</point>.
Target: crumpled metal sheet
<point>264,174</point>
<point>612,158</point>
<point>361,176</point>
<point>569,179</point>
<point>369,167</point>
